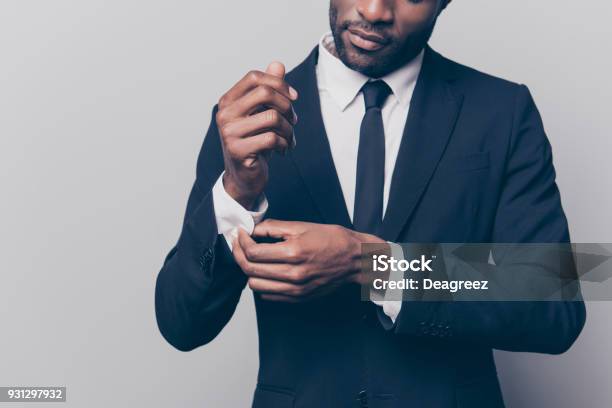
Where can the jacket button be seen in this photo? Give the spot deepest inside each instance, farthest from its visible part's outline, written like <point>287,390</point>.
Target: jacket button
<point>362,397</point>
<point>206,258</point>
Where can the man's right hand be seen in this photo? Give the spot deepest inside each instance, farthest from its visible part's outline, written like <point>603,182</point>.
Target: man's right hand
<point>255,117</point>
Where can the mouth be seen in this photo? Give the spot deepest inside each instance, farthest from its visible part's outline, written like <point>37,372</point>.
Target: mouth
<point>367,41</point>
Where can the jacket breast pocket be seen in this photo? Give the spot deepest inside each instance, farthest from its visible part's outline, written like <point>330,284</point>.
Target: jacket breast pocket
<point>459,163</point>
<point>267,396</point>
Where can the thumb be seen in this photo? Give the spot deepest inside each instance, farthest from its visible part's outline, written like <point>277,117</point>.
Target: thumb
<point>276,69</point>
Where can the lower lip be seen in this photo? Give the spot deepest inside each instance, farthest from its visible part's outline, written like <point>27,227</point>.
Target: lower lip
<point>364,44</point>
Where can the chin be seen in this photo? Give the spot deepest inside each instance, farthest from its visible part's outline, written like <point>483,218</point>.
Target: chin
<point>372,65</point>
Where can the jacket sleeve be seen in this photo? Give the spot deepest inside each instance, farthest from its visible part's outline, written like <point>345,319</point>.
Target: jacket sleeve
<point>199,285</point>
<point>529,211</point>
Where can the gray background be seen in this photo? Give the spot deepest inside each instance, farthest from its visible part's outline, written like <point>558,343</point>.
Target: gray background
<point>103,106</point>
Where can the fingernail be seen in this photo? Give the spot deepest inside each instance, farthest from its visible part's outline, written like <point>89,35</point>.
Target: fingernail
<point>293,93</point>
<point>295,116</point>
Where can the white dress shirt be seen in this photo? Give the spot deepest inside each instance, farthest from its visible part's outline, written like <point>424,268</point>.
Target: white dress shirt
<point>343,109</point>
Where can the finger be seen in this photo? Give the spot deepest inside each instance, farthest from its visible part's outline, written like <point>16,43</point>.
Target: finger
<point>273,271</point>
<point>256,270</point>
<point>238,253</point>
<point>281,298</point>
<point>273,287</point>
<point>284,252</point>
<point>269,260</point>
<point>254,79</point>
<point>244,241</point>
<point>246,148</point>
<point>277,272</point>
<point>268,121</point>
<point>258,100</point>
<point>277,69</point>
<point>278,229</point>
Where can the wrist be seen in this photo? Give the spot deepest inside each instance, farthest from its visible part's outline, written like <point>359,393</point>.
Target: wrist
<point>241,195</point>
<point>370,239</point>
<point>362,256</point>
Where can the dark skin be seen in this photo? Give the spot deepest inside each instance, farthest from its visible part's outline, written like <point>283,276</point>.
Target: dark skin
<point>297,268</point>
<point>376,37</point>
<point>256,118</point>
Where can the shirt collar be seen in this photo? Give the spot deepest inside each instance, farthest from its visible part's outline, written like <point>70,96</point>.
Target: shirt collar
<point>344,84</point>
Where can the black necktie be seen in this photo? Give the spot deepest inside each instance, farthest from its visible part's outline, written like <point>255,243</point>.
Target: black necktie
<point>369,187</point>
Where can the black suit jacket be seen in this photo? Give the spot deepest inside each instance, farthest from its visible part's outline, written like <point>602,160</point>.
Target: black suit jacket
<point>474,166</point>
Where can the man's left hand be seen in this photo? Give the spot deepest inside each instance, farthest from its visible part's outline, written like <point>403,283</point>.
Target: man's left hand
<point>311,260</point>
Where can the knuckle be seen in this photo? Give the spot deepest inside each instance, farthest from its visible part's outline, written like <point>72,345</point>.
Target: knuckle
<point>254,75</point>
<point>299,275</point>
<point>230,147</point>
<point>252,269</point>
<point>249,163</point>
<point>265,92</point>
<point>293,253</point>
<point>273,117</point>
<point>222,102</point>
<point>287,108</point>
<point>281,85</point>
<point>270,139</point>
<point>280,142</point>
<point>221,116</point>
<point>250,252</point>
<point>226,130</point>
<point>248,268</point>
<point>276,81</point>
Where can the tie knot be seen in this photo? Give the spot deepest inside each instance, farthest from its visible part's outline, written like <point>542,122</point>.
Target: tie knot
<point>375,93</point>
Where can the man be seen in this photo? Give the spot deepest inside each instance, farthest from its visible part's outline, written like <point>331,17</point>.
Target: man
<point>374,138</point>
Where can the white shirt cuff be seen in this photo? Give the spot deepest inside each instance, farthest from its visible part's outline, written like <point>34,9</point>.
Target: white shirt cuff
<point>230,215</point>
<point>392,308</point>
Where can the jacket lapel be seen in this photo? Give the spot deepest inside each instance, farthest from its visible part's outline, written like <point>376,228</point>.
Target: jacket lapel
<point>433,112</point>
<point>312,155</point>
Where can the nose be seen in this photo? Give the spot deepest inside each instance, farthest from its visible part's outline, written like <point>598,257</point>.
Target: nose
<point>376,11</point>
